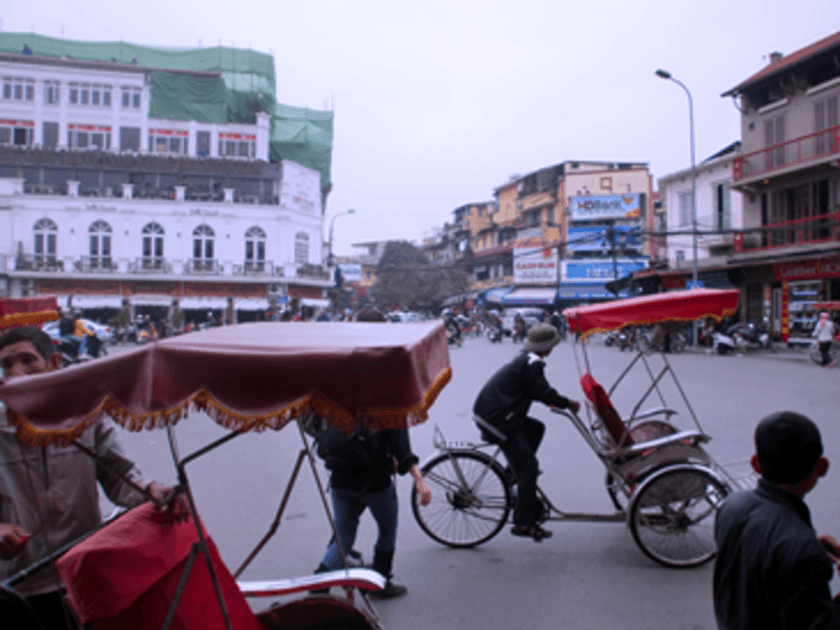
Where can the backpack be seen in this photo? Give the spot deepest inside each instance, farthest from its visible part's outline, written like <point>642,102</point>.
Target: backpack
<point>345,452</point>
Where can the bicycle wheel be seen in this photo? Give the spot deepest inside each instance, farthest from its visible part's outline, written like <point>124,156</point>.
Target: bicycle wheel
<point>672,515</point>
<point>471,499</point>
<point>815,354</point>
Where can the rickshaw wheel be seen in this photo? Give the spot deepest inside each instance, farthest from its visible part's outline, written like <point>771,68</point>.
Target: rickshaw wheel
<point>471,499</point>
<point>672,515</point>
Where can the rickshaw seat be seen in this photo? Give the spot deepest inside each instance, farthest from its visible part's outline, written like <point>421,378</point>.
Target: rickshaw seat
<point>613,423</point>
<point>124,576</point>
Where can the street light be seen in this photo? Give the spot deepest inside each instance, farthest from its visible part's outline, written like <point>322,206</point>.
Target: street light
<point>664,74</point>
<point>332,225</point>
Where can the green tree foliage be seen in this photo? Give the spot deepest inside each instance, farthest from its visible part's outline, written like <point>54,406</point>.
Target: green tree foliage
<point>406,278</point>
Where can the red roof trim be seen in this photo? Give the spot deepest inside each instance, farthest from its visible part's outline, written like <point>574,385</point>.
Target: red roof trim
<point>788,61</point>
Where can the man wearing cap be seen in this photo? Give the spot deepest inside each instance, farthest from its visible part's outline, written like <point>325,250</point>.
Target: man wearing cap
<point>501,412</point>
<point>772,570</point>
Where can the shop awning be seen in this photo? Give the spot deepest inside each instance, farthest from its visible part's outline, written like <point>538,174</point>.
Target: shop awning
<point>530,295</point>
<point>202,303</point>
<point>149,300</point>
<point>587,292</point>
<point>250,304</point>
<point>93,301</point>
<point>496,295</point>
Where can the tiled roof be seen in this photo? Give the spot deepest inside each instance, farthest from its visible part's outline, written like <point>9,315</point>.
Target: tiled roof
<point>786,62</point>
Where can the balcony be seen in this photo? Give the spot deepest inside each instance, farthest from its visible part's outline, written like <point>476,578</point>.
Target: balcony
<point>788,156</point>
<point>38,262</point>
<point>254,268</point>
<point>798,232</point>
<point>312,271</point>
<point>95,264</point>
<point>151,264</point>
<point>203,267</point>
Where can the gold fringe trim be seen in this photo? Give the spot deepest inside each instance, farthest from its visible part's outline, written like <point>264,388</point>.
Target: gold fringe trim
<point>229,418</point>
<point>21,319</point>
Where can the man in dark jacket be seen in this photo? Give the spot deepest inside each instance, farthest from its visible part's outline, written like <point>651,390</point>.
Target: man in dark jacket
<point>772,570</point>
<point>501,412</point>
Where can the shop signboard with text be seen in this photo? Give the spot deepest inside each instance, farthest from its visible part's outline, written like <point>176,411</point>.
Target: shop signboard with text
<point>600,270</point>
<point>807,269</point>
<point>597,237</point>
<point>535,265</point>
<point>601,207</point>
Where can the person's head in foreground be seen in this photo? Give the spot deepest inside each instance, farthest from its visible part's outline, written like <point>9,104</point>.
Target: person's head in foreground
<point>789,452</point>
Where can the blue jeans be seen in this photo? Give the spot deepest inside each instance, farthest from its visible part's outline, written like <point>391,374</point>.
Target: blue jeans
<point>348,506</point>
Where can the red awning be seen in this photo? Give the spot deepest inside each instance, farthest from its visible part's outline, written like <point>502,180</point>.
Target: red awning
<point>679,306</point>
<point>247,377</point>
<point>27,311</point>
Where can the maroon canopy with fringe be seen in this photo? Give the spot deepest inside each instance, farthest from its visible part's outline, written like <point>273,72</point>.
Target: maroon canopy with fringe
<point>677,306</point>
<point>27,311</point>
<point>247,377</point>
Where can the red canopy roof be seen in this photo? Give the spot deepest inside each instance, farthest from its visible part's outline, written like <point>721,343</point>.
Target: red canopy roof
<point>27,311</point>
<point>679,306</point>
<point>246,377</point>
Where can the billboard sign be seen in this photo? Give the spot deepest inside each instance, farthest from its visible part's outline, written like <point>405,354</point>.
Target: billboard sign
<point>596,237</point>
<point>535,265</point>
<point>300,188</point>
<point>596,208</point>
<point>351,272</point>
<point>600,270</point>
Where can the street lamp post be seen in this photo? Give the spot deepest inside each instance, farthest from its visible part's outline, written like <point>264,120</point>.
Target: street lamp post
<point>332,226</point>
<point>664,74</point>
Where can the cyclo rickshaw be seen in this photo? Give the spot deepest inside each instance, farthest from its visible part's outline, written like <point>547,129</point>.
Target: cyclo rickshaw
<point>663,483</point>
<point>139,571</point>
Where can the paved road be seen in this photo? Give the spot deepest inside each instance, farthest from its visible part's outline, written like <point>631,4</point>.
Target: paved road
<point>586,576</point>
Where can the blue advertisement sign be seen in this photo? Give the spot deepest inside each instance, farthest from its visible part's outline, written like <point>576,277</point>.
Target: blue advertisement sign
<point>601,270</point>
<point>593,208</point>
<point>596,237</point>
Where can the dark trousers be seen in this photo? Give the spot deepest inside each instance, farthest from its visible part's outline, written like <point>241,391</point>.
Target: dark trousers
<point>825,346</point>
<point>521,451</point>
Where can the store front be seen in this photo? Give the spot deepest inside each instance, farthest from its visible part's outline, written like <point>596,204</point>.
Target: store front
<point>803,286</point>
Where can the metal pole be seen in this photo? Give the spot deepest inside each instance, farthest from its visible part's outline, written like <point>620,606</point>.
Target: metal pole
<point>664,74</point>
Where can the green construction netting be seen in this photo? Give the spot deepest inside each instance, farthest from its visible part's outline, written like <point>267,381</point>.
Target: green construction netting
<point>247,84</point>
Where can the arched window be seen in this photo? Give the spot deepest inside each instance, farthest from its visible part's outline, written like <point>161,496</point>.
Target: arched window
<point>152,246</point>
<point>302,248</point>
<point>203,237</point>
<point>99,234</point>
<point>46,242</point>
<point>255,249</point>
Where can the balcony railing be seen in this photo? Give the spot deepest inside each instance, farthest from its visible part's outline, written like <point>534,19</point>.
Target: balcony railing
<point>254,268</point>
<point>203,266</point>
<point>96,264</point>
<point>820,144</point>
<point>151,264</point>
<point>812,230</point>
<point>38,262</point>
<point>312,271</point>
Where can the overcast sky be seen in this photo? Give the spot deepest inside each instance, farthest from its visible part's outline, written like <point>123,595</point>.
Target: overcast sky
<point>438,102</point>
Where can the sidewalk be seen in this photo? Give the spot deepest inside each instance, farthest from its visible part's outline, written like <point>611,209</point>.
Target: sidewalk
<point>798,352</point>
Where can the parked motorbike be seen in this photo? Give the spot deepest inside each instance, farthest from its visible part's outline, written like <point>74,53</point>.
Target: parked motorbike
<point>756,336</point>
<point>728,340</point>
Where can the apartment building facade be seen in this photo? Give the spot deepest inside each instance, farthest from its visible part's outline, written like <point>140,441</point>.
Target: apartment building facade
<point>788,172</point>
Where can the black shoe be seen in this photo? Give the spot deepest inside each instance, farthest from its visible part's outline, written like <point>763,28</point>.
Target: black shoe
<point>389,591</point>
<point>531,531</point>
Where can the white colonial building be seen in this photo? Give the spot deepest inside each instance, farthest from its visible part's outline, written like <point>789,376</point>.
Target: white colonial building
<point>104,205</point>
